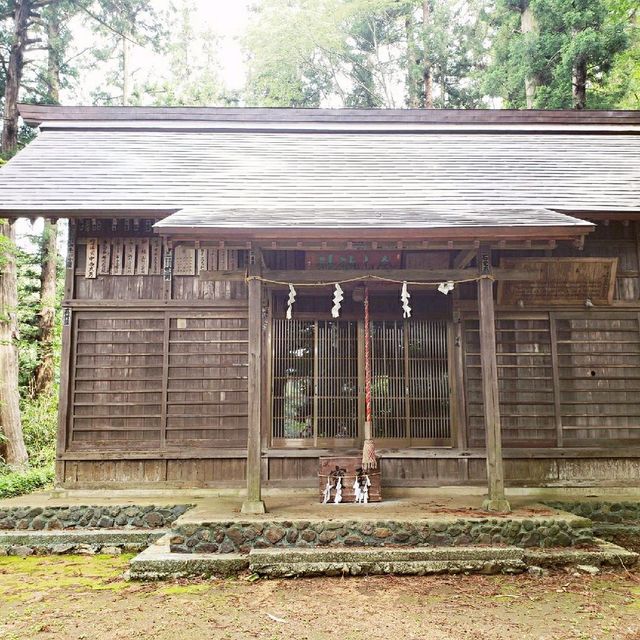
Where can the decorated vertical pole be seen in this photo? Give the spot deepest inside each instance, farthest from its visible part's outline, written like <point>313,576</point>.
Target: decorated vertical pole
<point>369,460</point>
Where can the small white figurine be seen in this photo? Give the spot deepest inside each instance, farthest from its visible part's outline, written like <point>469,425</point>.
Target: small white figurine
<point>338,498</point>
<point>326,496</point>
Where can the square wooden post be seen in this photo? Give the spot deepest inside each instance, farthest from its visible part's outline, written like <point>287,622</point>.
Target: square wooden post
<point>496,500</point>
<point>253,502</point>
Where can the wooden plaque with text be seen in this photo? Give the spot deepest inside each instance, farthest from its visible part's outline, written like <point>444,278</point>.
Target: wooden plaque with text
<point>559,281</point>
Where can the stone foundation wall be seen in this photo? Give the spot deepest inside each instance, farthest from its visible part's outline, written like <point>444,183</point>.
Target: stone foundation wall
<point>610,512</point>
<point>90,517</point>
<point>617,522</point>
<point>242,536</point>
<point>109,542</point>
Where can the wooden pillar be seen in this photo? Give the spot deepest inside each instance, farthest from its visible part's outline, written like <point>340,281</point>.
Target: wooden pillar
<point>66,364</point>
<point>253,502</point>
<point>496,500</point>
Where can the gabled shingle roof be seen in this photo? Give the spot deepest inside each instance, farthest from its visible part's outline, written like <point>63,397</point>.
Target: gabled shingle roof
<point>400,175</point>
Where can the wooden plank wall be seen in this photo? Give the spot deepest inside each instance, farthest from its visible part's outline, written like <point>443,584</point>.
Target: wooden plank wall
<point>158,380</point>
<point>157,364</point>
<point>525,378</point>
<point>157,393</point>
<point>567,379</point>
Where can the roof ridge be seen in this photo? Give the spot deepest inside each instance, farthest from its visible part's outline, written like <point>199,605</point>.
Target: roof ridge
<point>35,115</point>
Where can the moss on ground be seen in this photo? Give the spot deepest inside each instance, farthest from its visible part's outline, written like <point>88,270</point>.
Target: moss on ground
<point>87,597</point>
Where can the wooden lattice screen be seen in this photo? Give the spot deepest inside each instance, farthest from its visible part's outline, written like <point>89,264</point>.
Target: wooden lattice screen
<point>158,380</point>
<point>411,399</point>
<point>565,379</point>
<point>315,381</point>
<point>318,382</point>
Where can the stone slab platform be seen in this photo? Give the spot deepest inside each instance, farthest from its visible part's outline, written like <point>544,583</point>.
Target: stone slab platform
<point>24,543</point>
<point>605,554</point>
<point>292,563</point>
<point>157,562</point>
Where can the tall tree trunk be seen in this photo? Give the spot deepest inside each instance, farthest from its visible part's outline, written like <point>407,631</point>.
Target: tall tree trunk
<point>44,373</point>
<point>529,24</point>
<point>54,54</point>
<point>580,84</point>
<point>125,71</point>
<point>14,77</point>
<point>427,76</point>
<point>15,452</point>
<point>413,62</point>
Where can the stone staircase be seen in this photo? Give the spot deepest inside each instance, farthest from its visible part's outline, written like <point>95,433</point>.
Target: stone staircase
<point>274,547</point>
<point>400,537</point>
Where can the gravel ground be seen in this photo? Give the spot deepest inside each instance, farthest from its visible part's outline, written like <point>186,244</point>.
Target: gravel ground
<point>82,598</point>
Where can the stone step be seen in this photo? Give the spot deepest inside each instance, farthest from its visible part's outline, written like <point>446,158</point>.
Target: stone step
<point>157,562</point>
<point>87,541</point>
<point>285,563</point>
<point>604,554</point>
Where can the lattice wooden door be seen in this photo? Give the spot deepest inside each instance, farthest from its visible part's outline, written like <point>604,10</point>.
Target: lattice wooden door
<point>317,383</point>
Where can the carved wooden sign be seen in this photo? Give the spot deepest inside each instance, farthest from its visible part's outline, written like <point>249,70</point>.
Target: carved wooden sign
<point>104,257</point>
<point>155,250</point>
<point>142,264</point>
<point>203,260</point>
<point>91,267</point>
<point>559,281</point>
<point>374,259</point>
<point>184,261</point>
<point>129,257</point>
<point>117,257</point>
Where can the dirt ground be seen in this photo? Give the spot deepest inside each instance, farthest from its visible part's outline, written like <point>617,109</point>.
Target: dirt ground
<point>84,598</point>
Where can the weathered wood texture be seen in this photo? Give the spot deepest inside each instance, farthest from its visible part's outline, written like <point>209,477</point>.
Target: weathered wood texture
<point>556,470</point>
<point>117,284</point>
<point>35,114</point>
<point>255,391</point>
<point>156,377</point>
<point>159,379</point>
<point>589,397</point>
<point>140,376</point>
<point>614,239</point>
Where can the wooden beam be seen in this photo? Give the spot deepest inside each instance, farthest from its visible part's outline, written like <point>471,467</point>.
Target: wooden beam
<point>218,276</point>
<point>427,275</point>
<point>496,500</point>
<point>464,258</point>
<point>253,503</point>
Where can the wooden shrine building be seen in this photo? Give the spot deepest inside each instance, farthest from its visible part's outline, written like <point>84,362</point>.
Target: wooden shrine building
<point>187,226</point>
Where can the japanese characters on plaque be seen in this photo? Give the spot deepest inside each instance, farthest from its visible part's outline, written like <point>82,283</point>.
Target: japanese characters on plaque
<point>123,256</point>
<point>203,260</point>
<point>155,250</point>
<point>104,257</point>
<point>142,264</point>
<point>91,265</point>
<point>117,257</point>
<point>184,260</point>
<point>129,257</point>
<point>559,281</point>
<point>136,255</point>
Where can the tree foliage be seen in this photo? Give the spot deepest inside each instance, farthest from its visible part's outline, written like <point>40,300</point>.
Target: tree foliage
<point>570,39</point>
<point>366,53</point>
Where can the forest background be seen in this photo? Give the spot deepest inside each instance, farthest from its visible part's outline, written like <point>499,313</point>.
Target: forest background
<point>523,54</point>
